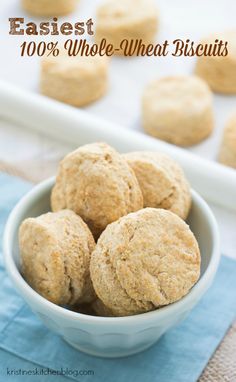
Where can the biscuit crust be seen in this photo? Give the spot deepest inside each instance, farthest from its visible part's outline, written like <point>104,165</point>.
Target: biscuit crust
<point>143,261</point>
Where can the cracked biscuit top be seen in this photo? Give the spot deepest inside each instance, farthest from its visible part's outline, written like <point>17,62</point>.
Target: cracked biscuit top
<point>143,261</point>
<point>55,253</point>
<point>97,183</point>
<point>162,181</point>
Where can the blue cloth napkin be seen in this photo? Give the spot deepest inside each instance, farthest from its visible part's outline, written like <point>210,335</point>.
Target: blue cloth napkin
<point>26,346</point>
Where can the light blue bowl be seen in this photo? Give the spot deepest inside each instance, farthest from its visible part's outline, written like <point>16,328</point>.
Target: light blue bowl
<point>114,336</point>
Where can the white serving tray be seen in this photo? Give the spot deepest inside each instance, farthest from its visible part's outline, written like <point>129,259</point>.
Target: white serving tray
<point>213,181</point>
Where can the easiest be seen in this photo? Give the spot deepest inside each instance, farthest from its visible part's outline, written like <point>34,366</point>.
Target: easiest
<point>18,27</point>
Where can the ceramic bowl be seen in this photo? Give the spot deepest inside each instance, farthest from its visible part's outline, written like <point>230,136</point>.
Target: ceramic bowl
<point>115,336</point>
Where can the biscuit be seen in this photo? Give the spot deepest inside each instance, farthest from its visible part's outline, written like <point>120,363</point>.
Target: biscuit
<point>143,261</point>
<point>125,20</point>
<point>227,153</point>
<point>178,110</point>
<point>97,183</point>
<point>77,81</point>
<point>162,182</point>
<point>55,253</point>
<point>219,71</point>
<point>49,7</point>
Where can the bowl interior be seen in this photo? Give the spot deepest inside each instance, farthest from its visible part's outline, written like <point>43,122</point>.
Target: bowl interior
<point>38,202</point>
<point>200,226</point>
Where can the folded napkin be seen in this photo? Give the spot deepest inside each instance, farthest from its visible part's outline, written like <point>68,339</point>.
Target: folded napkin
<point>179,356</point>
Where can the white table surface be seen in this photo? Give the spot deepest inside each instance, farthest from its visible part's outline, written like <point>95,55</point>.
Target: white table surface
<point>179,19</point>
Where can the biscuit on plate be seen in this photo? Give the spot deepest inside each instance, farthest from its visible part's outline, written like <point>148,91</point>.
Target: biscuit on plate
<point>49,7</point>
<point>96,182</point>
<point>143,261</point>
<point>55,253</point>
<point>219,71</point>
<point>178,110</point>
<point>227,153</point>
<point>77,81</point>
<point>162,181</point>
<point>126,19</point>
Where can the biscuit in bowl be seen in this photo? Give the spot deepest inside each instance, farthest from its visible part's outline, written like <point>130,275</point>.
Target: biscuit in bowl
<point>162,181</point>
<point>144,261</point>
<point>96,182</point>
<point>55,253</point>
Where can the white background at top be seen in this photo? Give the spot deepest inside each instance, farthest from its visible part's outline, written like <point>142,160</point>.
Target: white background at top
<point>128,76</point>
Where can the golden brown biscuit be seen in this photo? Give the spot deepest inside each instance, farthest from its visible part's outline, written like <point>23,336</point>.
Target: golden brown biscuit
<point>98,184</point>
<point>144,260</point>
<point>162,182</point>
<point>178,110</point>
<point>49,7</point>
<point>227,153</point>
<point>55,252</point>
<point>77,81</point>
<point>126,19</point>
<point>219,71</point>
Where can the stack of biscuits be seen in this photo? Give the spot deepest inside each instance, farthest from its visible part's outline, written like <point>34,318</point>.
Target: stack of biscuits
<point>116,243</point>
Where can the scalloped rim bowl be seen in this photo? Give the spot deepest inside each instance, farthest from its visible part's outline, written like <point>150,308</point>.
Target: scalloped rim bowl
<point>110,336</point>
